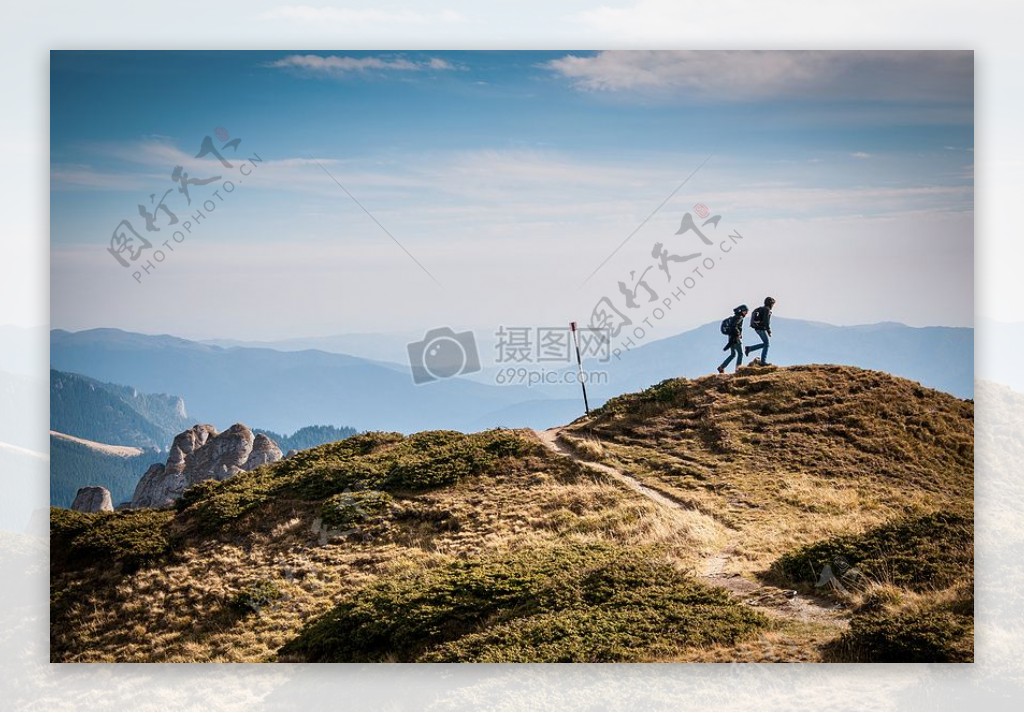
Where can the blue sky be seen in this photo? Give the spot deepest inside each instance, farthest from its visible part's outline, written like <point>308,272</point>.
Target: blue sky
<point>509,176</point>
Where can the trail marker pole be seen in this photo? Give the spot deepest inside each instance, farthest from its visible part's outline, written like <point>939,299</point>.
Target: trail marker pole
<point>579,363</point>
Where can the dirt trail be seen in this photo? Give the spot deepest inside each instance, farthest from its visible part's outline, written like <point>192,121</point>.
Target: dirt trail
<point>550,439</point>
<point>714,570</point>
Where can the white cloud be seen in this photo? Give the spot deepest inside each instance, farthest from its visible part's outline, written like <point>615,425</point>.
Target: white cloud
<point>752,75</point>
<point>335,65</point>
<point>146,163</point>
<point>860,154</point>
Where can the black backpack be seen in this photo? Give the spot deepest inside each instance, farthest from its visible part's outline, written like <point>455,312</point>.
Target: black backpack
<point>727,324</point>
<point>757,318</point>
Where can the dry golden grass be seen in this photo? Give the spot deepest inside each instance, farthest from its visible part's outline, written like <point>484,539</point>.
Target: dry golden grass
<point>746,469</point>
<point>179,610</point>
<point>783,457</point>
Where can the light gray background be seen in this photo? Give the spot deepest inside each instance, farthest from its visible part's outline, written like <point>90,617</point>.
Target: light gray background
<point>28,681</point>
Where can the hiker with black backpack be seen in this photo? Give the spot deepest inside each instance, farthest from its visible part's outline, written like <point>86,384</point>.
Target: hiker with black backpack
<point>732,327</point>
<point>761,322</point>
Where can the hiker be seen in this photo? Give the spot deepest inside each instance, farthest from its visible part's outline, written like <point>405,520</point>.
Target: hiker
<point>733,328</point>
<point>761,322</point>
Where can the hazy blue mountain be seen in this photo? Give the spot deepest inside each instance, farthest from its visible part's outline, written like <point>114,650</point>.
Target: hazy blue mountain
<point>282,391</point>
<point>114,414</point>
<point>389,349</point>
<point>939,357</point>
<point>285,391</point>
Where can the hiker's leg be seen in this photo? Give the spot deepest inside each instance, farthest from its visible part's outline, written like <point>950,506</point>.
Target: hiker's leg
<point>766,341</point>
<point>732,353</point>
<point>755,347</point>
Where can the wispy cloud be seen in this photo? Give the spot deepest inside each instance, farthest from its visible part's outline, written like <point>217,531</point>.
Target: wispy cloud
<point>753,75</point>
<point>522,186</point>
<point>146,163</point>
<point>359,16</point>
<point>335,65</point>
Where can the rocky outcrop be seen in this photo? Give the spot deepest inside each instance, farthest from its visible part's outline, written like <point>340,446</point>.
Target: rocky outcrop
<point>93,498</point>
<point>201,453</point>
<point>156,489</point>
<point>263,451</point>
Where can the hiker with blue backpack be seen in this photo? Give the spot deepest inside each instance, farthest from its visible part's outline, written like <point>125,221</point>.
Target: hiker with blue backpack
<point>761,322</point>
<point>732,327</point>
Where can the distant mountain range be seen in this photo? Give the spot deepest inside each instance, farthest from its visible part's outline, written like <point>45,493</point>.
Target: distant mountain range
<point>113,414</point>
<point>940,357</point>
<point>282,391</point>
<point>287,390</point>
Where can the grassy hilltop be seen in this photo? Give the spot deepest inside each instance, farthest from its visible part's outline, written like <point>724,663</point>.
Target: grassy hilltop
<point>691,521</point>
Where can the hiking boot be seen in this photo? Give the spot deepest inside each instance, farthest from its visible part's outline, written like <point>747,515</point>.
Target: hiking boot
<point>721,370</point>
<point>746,351</point>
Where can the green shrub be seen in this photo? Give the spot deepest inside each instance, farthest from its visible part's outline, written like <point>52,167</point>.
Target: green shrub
<point>423,461</point>
<point>215,504</point>
<point>66,524</point>
<point>196,493</point>
<point>346,510</point>
<point>254,596</point>
<point>365,462</point>
<point>929,634</point>
<point>131,538</point>
<point>925,552</point>
<point>566,603</point>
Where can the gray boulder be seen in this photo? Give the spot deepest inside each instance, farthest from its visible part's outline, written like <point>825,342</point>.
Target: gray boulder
<point>93,498</point>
